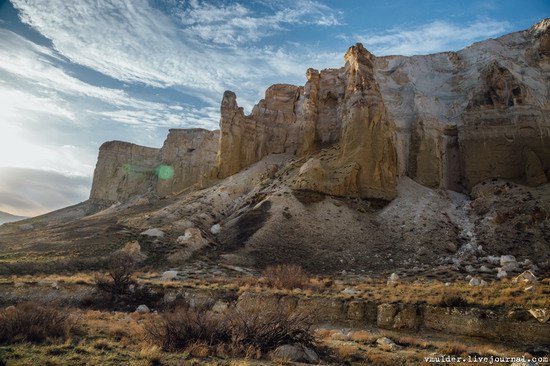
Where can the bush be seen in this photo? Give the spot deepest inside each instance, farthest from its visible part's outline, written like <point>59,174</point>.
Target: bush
<point>29,322</point>
<point>119,279</point>
<point>450,300</point>
<point>266,325</point>
<point>184,326</point>
<point>287,276</point>
<point>251,329</point>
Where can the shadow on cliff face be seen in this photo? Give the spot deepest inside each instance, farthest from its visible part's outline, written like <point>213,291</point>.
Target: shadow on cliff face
<point>245,226</point>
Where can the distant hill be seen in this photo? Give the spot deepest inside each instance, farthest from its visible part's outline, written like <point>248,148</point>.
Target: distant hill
<point>6,217</point>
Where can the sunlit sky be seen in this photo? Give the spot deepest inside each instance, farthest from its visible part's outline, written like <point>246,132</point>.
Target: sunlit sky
<point>74,74</point>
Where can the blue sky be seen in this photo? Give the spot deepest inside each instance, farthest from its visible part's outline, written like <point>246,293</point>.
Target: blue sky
<point>74,74</point>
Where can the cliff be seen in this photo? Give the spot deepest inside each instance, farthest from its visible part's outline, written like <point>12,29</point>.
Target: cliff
<point>186,159</point>
<point>447,120</point>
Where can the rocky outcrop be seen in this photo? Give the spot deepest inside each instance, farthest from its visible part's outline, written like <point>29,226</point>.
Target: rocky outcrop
<point>340,109</point>
<point>448,120</point>
<point>189,158</point>
<point>506,132</point>
<point>124,170</point>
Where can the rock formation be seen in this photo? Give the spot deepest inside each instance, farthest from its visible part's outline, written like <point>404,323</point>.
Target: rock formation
<point>124,170</point>
<point>448,120</point>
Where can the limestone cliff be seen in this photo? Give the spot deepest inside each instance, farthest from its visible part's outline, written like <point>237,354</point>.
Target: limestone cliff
<point>447,120</point>
<point>124,170</point>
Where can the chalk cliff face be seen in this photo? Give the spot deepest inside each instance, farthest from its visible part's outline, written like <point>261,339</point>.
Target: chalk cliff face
<point>124,170</point>
<point>447,120</point>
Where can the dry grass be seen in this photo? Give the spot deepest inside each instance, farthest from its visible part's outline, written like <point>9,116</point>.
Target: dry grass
<point>30,322</point>
<point>286,276</point>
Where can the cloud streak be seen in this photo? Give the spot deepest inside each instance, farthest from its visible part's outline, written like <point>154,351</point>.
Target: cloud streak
<point>22,191</point>
<point>436,36</point>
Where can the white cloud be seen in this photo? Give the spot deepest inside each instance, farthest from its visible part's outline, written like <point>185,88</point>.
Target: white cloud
<point>437,36</point>
<point>136,43</point>
<point>235,24</point>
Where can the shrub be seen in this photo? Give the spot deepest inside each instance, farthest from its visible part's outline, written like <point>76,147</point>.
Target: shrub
<point>184,326</point>
<point>250,329</point>
<point>287,276</point>
<point>453,300</point>
<point>30,322</point>
<point>119,278</point>
<point>266,325</point>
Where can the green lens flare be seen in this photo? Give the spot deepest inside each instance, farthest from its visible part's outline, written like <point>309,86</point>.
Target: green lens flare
<point>165,172</point>
<point>127,168</point>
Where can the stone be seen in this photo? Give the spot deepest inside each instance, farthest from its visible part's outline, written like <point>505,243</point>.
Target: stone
<point>450,247</point>
<point>350,291</point>
<point>474,282</point>
<point>542,315</point>
<point>507,259</point>
<point>470,269</point>
<point>509,263</point>
<point>502,274</point>
<point>526,277</point>
<point>215,229</point>
<point>188,243</point>
<point>485,269</point>
<point>393,279</point>
<point>294,353</point>
<point>153,233</point>
<point>142,309</point>
<point>169,275</point>
<point>386,344</point>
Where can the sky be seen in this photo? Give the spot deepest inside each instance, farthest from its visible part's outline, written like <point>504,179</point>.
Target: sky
<point>74,74</point>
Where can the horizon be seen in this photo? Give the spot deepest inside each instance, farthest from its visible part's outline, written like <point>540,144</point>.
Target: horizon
<point>73,86</point>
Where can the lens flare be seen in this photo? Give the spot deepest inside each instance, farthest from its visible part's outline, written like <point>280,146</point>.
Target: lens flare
<point>165,172</point>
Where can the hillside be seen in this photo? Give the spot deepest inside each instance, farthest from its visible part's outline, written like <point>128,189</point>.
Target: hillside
<point>6,217</point>
<point>433,165</point>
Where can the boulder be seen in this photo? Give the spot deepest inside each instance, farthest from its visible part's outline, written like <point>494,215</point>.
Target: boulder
<point>142,309</point>
<point>169,275</point>
<point>294,353</point>
<point>509,263</point>
<point>526,277</point>
<point>386,344</point>
<point>188,243</point>
<point>153,233</point>
<point>393,280</point>
<point>215,229</point>
<point>502,274</point>
<point>542,315</point>
<point>474,282</point>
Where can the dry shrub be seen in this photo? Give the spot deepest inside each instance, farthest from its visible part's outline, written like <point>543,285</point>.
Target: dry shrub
<point>184,326</point>
<point>286,276</point>
<point>453,300</point>
<point>30,322</point>
<point>265,326</point>
<point>251,329</point>
<point>348,353</point>
<point>153,355</point>
<point>363,336</point>
<point>246,281</point>
<point>119,278</point>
